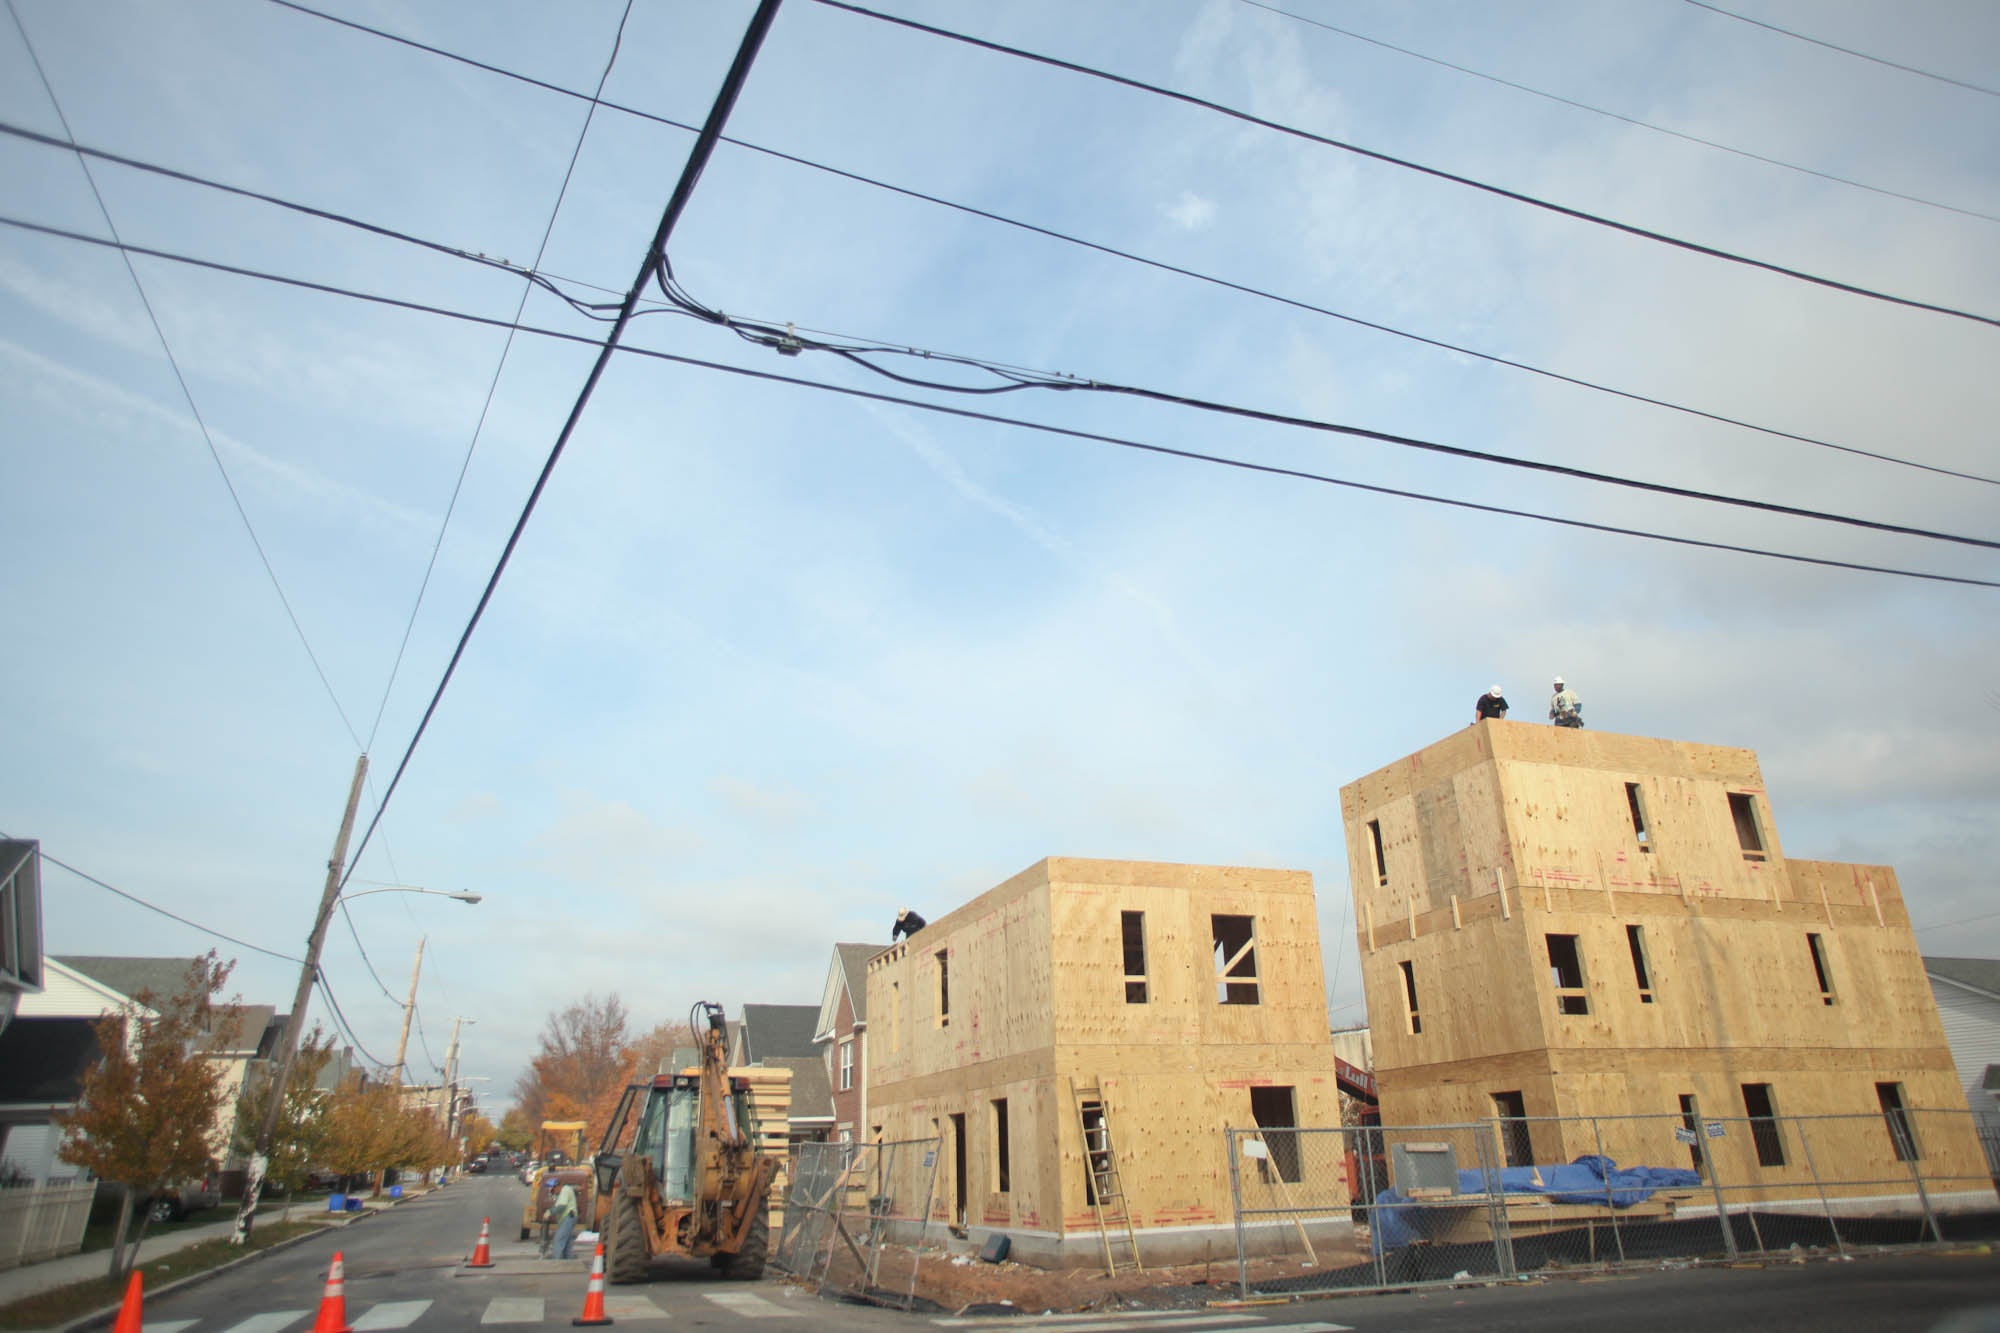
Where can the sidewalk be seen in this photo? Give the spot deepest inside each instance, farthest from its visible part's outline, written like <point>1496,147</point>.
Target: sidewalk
<point>29,1279</point>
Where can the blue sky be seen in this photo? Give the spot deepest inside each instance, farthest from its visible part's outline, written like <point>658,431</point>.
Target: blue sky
<point>768,662</point>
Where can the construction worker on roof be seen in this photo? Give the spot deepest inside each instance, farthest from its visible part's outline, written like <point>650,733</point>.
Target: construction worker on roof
<point>1565,709</point>
<point>1490,704</point>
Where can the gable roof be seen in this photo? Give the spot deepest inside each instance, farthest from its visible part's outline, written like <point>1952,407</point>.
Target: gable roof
<point>775,1031</point>
<point>812,1095</point>
<point>164,977</point>
<point>43,1059</point>
<point>848,972</point>
<point>239,1029</point>
<point>1979,974</point>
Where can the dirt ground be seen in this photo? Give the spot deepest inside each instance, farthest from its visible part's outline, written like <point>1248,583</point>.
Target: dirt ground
<point>953,1282</point>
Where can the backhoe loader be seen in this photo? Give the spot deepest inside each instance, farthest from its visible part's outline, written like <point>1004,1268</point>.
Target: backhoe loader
<point>691,1182</point>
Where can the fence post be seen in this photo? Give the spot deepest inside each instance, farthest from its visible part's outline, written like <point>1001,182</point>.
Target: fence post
<point>1610,1204</point>
<point>1901,1131</point>
<point>1231,1146</point>
<point>1833,1225</point>
<point>1486,1146</point>
<point>1375,1144</point>
<point>1714,1177</point>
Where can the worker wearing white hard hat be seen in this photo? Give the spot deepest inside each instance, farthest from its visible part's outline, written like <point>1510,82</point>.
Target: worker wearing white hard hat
<point>1565,709</point>
<point>1492,704</point>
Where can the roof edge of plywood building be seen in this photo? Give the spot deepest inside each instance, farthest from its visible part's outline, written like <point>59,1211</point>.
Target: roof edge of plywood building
<point>1533,743</point>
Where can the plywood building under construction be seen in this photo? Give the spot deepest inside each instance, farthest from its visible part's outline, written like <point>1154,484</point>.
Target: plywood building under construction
<point>1564,923</point>
<point>1159,1002</point>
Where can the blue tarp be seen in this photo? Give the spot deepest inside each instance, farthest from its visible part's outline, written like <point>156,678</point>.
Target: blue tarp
<point>1589,1179</point>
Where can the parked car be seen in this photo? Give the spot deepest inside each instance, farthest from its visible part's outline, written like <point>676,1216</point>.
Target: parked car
<point>476,1167</point>
<point>190,1197</point>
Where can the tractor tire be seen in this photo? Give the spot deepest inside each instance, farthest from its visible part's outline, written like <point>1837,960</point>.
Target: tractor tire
<point>625,1241</point>
<point>747,1264</point>
<point>525,1233</point>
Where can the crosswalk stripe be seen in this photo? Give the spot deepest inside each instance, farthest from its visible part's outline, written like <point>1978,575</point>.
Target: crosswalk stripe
<point>390,1314</point>
<point>514,1310</point>
<point>1314,1327</point>
<point>166,1325</point>
<point>269,1322</point>
<point>1110,1323</point>
<point>749,1306</point>
<point>621,1306</point>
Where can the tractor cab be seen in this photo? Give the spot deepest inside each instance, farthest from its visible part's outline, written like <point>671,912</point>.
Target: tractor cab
<point>669,1120</point>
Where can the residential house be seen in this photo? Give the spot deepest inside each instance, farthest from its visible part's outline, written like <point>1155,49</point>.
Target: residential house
<point>44,1054</point>
<point>20,923</point>
<point>1967,994</point>
<point>840,1030</point>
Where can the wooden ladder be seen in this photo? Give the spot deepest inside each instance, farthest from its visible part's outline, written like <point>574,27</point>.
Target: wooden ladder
<point>1100,1161</point>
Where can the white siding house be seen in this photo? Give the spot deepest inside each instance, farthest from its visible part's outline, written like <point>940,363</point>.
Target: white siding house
<point>1968,1003</point>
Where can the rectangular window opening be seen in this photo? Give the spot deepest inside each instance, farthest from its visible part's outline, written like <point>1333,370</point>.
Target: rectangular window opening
<point>1902,1134</point>
<point>1134,928</point>
<point>1235,939</point>
<point>1566,968</point>
<point>847,1065</point>
<point>944,988</point>
<point>1381,861</point>
<point>1515,1142</point>
<point>1002,1164</point>
<point>1821,971</point>
<point>1096,1152</point>
<point>1691,1122</point>
<point>1764,1129</point>
<point>1635,940</point>
<point>1750,837</point>
<point>1410,997</point>
<point>1636,801</point>
<point>1275,1114</point>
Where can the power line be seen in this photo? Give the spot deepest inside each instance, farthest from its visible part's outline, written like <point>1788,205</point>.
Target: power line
<point>704,148</point>
<point>1437,173</point>
<point>1135,258</point>
<point>1619,116</point>
<point>1064,431</point>
<point>171,916</point>
<point>340,1019</point>
<point>527,289</point>
<point>180,379</point>
<point>1845,50</point>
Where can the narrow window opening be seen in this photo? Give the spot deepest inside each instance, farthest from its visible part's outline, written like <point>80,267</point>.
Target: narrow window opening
<point>1566,967</point>
<point>1821,971</point>
<point>1134,926</point>
<point>1273,1110</point>
<point>1515,1142</point>
<point>1410,997</point>
<point>1902,1134</point>
<point>944,988</point>
<point>1002,1163</point>
<point>1381,861</point>
<point>1691,1122</point>
<point>1235,940</point>
<point>847,1065</point>
<point>1635,940</point>
<point>1764,1128</point>
<point>895,1016</point>
<point>1636,801</point>
<point>1096,1151</point>
<point>1743,809</point>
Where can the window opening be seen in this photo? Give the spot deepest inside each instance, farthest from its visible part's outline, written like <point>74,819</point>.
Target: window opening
<point>1235,959</point>
<point>1381,861</point>
<point>1515,1142</point>
<point>1636,801</point>
<point>1273,1110</point>
<point>1566,967</point>
<point>958,1167</point>
<point>1764,1128</point>
<point>1001,1164</point>
<point>944,988</point>
<point>1691,1122</point>
<point>1096,1151</point>
<point>1902,1134</point>
<point>1820,970</point>
<point>1134,928</point>
<point>847,1065</point>
<point>1635,940</point>
<point>1410,997</point>
<point>1743,809</point>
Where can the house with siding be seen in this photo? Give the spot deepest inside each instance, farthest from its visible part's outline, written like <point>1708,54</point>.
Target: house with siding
<point>840,1031</point>
<point>20,923</point>
<point>1967,992</point>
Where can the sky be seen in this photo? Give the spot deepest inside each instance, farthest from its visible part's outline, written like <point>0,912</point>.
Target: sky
<point>769,662</point>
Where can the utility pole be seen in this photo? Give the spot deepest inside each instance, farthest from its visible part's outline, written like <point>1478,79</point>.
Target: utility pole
<point>288,1044</point>
<point>451,1079</point>
<point>403,1042</point>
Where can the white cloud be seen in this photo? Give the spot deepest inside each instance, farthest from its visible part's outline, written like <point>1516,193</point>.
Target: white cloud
<point>1190,212</point>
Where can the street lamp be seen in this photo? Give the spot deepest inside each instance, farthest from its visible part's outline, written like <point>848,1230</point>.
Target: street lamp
<point>406,888</point>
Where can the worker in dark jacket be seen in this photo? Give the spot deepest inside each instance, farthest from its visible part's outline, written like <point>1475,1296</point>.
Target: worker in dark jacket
<point>907,923</point>
<point>1491,704</point>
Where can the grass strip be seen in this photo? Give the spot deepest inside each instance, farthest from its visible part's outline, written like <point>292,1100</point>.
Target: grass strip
<point>59,1305</point>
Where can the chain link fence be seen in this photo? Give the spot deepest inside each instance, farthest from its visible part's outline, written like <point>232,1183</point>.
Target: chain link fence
<point>856,1216</point>
<point>1385,1206</point>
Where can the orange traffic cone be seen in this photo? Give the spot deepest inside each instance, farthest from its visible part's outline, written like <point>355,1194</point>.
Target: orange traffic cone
<point>482,1253</point>
<point>593,1296</point>
<point>333,1305</point>
<point>130,1319</point>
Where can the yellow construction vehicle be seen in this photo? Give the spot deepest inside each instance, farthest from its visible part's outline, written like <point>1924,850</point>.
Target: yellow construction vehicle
<point>690,1182</point>
<point>559,1152</point>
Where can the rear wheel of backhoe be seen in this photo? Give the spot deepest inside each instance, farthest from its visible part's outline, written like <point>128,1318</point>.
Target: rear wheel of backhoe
<point>748,1262</point>
<point>625,1241</point>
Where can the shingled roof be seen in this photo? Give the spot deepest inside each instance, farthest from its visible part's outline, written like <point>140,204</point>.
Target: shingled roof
<point>163,977</point>
<point>1980,974</point>
<point>773,1031</point>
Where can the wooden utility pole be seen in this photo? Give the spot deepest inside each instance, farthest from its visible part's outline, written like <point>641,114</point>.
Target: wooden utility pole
<point>288,1044</point>
<point>403,1042</point>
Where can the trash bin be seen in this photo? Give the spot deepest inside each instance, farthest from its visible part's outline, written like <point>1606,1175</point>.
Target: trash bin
<point>353,1204</point>
<point>336,1203</point>
<point>395,1191</point>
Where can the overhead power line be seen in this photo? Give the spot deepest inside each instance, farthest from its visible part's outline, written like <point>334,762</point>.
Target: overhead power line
<point>1135,258</point>
<point>187,394</point>
<point>1063,431</point>
<point>1437,173</point>
<point>340,1019</point>
<point>1844,50</point>
<point>1617,115</point>
<point>704,148</point>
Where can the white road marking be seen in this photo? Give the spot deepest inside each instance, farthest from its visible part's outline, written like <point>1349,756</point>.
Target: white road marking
<point>1307,1328</point>
<point>632,1307</point>
<point>514,1310</point>
<point>269,1322</point>
<point>167,1325</point>
<point>1096,1323</point>
<point>391,1314</point>
<point>749,1306</point>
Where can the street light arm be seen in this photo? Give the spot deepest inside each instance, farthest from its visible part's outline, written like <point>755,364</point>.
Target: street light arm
<point>406,888</point>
